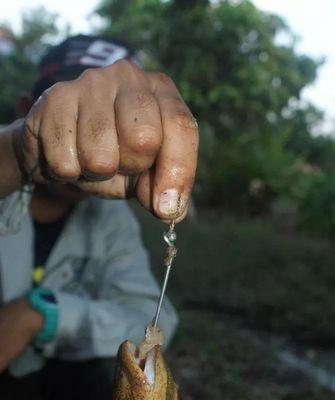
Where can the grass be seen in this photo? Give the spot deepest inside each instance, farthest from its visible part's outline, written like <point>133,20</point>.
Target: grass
<point>233,280</point>
<point>279,281</point>
<point>214,358</point>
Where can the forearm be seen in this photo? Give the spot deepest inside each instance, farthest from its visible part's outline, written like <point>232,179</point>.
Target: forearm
<point>10,176</point>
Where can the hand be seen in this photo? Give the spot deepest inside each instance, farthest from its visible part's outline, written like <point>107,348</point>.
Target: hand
<point>19,323</point>
<point>114,132</point>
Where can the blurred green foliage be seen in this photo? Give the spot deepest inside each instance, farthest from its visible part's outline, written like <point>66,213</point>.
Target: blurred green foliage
<point>244,88</point>
<point>18,69</point>
<point>246,290</point>
<point>216,357</point>
<point>272,278</point>
<point>223,57</point>
<point>234,279</point>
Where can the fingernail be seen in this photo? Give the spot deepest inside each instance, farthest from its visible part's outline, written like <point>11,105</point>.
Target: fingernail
<point>169,202</point>
<point>92,176</point>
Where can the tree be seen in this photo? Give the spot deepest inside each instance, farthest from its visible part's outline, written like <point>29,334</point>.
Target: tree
<point>232,72</point>
<point>224,57</point>
<point>18,68</point>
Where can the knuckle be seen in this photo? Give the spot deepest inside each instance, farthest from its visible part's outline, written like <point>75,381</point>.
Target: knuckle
<point>89,73</point>
<point>29,126</point>
<point>127,71</point>
<point>64,169</point>
<point>55,92</point>
<point>92,76</point>
<point>54,98</point>
<point>100,165</point>
<point>124,65</point>
<point>161,77</point>
<point>145,139</point>
<point>30,133</point>
<point>184,120</point>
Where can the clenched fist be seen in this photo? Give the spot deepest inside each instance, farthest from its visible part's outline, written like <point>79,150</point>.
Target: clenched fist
<point>114,132</point>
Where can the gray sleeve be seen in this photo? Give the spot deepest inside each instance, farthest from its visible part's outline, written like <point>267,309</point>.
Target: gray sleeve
<point>127,302</point>
<point>13,209</point>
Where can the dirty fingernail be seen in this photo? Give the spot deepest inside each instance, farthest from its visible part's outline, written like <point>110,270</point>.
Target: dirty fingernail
<point>169,202</point>
<point>92,176</point>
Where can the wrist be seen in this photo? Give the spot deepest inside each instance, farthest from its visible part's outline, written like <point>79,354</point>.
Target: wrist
<point>31,319</point>
<point>10,174</point>
<point>44,302</point>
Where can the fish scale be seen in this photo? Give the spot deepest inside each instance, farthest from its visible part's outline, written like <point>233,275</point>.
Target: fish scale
<point>132,382</point>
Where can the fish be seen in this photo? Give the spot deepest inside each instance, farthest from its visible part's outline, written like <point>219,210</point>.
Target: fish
<point>142,372</point>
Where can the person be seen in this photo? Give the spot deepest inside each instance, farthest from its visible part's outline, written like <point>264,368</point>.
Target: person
<point>97,128</point>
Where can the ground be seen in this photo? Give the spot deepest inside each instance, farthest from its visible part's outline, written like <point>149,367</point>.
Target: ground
<point>247,291</point>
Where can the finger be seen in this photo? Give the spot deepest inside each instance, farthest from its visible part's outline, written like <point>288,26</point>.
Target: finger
<point>177,159</point>
<point>27,146</point>
<point>97,142</point>
<point>144,191</point>
<point>139,129</point>
<point>118,187</point>
<point>57,135</point>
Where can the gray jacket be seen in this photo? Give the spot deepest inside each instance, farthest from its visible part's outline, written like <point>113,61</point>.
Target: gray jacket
<point>99,272</point>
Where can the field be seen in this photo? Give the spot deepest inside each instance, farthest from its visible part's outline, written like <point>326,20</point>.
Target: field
<point>247,291</point>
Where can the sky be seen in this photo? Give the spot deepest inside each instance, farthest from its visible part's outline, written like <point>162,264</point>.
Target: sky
<point>312,21</point>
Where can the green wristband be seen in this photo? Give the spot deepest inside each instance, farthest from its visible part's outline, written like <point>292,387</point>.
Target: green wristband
<point>43,300</point>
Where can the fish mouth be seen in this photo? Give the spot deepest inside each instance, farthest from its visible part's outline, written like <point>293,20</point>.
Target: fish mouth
<point>146,365</point>
<point>142,360</point>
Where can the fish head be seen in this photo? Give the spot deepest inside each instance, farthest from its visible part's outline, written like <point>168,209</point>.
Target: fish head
<point>146,379</point>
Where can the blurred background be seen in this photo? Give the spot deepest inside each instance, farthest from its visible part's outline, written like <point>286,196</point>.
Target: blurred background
<point>254,279</point>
